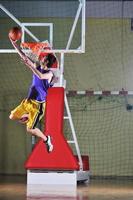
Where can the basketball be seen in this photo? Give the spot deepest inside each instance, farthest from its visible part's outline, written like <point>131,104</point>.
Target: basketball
<point>15,33</point>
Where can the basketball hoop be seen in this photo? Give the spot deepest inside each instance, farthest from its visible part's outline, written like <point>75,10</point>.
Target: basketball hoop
<point>37,49</point>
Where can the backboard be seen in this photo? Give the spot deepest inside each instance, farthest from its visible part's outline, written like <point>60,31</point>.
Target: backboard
<point>61,22</point>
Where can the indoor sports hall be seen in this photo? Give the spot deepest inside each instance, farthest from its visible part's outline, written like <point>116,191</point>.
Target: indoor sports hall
<point>89,108</point>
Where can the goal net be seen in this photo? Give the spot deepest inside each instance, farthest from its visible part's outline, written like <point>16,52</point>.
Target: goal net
<point>104,130</point>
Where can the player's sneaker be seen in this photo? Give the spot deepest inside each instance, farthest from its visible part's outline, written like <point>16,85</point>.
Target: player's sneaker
<point>49,144</point>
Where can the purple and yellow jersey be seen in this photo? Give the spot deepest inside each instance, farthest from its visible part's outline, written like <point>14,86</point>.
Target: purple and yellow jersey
<point>39,87</point>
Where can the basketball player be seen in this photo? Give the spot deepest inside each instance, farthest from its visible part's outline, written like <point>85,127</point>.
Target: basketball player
<point>31,109</point>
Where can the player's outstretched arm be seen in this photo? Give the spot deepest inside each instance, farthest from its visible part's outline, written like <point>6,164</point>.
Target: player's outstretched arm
<point>21,53</point>
<point>32,66</point>
<point>34,69</point>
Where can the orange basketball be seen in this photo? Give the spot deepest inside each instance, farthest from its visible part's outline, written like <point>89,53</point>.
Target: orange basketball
<point>15,33</point>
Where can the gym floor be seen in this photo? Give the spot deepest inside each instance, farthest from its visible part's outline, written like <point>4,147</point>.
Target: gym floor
<point>14,188</point>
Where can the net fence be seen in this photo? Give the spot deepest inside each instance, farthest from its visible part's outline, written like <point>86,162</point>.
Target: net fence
<point>104,131</point>
<point>103,123</point>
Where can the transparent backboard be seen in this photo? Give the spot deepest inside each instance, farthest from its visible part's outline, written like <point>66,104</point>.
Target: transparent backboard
<point>61,22</point>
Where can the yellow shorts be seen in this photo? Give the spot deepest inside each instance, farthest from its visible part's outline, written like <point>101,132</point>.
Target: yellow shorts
<point>34,109</point>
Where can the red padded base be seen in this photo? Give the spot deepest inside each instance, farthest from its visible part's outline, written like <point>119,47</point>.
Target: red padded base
<point>61,158</point>
<point>85,160</point>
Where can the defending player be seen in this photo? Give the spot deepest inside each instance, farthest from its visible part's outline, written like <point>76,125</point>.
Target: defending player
<point>31,110</point>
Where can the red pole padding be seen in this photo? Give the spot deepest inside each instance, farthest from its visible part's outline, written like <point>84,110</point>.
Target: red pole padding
<point>61,158</point>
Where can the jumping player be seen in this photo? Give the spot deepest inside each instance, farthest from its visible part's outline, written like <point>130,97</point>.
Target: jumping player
<point>31,110</point>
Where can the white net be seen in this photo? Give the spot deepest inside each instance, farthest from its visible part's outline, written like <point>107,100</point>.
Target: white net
<point>104,131</point>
